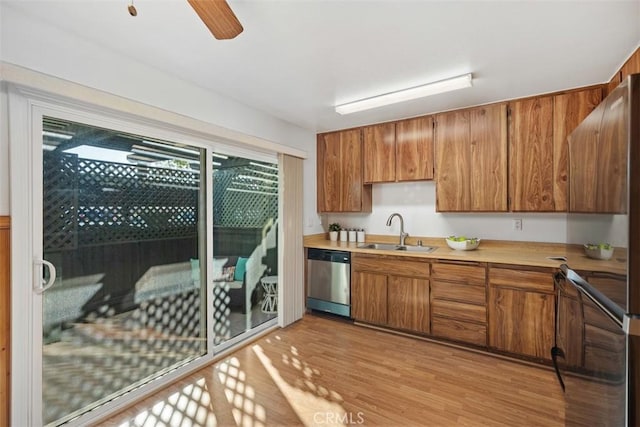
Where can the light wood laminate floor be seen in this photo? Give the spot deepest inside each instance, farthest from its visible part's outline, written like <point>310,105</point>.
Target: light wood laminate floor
<point>321,371</point>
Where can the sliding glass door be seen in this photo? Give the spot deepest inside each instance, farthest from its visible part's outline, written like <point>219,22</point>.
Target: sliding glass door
<point>140,250</point>
<point>123,245</point>
<point>245,245</point>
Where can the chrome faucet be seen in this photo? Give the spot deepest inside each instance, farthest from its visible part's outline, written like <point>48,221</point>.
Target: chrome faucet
<point>403,235</point>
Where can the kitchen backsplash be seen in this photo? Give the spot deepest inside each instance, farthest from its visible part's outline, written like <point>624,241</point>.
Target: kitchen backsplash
<point>416,201</point>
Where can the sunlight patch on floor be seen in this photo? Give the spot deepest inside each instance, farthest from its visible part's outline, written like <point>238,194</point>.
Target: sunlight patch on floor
<point>241,396</point>
<point>312,407</point>
<point>189,406</point>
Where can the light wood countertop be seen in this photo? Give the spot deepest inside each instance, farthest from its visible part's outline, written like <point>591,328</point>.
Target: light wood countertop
<point>533,254</point>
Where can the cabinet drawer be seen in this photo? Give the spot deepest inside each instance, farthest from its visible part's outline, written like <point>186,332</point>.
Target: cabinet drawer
<point>529,280</point>
<point>398,266</point>
<point>459,311</point>
<point>460,273</point>
<point>462,293</point>
<point>474,333</point>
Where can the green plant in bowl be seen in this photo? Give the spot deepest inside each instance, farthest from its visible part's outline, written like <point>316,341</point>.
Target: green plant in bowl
<point>463,239</point>
<point>335,227</point>
<point>462,242</point>
<point>593,247</point>
<point>598,250</point>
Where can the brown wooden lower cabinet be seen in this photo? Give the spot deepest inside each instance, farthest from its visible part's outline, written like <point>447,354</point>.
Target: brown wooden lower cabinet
<point>408,303</point>
<point>509,309</point>
<point>397,300</point>
<point>458,302</point>
<point>5,319</point>
<point>522,311</point>
<point>369,297</point>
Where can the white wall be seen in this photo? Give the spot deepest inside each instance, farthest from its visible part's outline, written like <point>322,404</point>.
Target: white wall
<point>416,201</point>
<point>41,47</point>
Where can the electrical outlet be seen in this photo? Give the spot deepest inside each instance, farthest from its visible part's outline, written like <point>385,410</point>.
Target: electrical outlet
<point>517,224</point>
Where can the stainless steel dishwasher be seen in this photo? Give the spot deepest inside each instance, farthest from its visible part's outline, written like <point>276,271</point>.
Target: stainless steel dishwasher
<point>329,281</point>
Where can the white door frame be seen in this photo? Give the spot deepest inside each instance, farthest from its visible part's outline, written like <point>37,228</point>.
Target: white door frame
<point>26,109</point>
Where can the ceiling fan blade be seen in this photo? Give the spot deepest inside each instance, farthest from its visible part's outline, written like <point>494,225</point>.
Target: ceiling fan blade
<point>218,17</point>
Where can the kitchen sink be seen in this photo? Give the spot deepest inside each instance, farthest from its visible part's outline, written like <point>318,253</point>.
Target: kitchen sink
<point>381,246</point>
<point>411,248</point>
<point>389,247</point>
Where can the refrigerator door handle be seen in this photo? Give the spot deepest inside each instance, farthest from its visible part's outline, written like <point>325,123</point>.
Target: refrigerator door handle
<point>608,307</point>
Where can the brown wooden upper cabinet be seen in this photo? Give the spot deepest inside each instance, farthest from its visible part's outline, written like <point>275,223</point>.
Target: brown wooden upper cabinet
<point>379,152</point>
<point>538,150</point>
<point>399,151</point>
<point>598,158</point>
<point>339,173</point>
<point>471,160</point>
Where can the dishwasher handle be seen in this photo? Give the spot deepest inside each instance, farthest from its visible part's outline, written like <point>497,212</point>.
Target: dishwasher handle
<point>343,257</point>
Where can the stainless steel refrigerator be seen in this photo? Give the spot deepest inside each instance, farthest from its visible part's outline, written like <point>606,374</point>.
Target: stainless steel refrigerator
<point>597,348</point>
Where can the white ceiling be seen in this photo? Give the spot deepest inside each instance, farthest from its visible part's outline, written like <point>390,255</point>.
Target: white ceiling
<point>296,59</point>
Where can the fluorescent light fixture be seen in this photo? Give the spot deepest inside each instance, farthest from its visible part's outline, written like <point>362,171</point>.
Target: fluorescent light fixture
<point>217,164</point>
<point>56,135</point>
<point>416,92</point>
<point>220,156</point>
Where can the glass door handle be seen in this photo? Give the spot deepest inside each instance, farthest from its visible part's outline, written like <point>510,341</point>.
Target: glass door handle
<point>45,284</point>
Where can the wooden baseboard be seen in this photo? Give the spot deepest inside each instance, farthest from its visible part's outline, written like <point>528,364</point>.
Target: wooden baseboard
<point>5,318</point>
<point>458,346</point>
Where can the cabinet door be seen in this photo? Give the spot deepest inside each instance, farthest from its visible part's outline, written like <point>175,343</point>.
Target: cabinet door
<point>488,164</point>
<point>379,153</point>
<point>369,297</point>
<point>531,154</point>
<point>521,322</point>
<point>453,162</point>
<point>569,110</point>
<point>598,159</point>
<point>414,149</point>
<point>339,173</point>
<point>408,303</point>
<point>611,184</point>
<point>583,155</point>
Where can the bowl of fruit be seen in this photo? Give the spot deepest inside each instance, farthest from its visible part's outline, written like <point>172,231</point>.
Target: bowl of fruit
<point>462,243</point>
<point>598,250</point>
